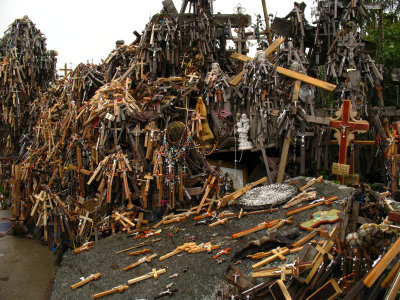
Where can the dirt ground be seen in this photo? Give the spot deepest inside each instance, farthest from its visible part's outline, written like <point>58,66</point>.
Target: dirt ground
<point>26,267</point>
<point>199,276</point>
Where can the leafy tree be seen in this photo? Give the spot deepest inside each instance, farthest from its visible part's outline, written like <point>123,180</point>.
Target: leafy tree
<point>383,28</point>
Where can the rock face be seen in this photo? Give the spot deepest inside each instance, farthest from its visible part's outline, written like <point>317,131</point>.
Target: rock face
<point>199,275</point>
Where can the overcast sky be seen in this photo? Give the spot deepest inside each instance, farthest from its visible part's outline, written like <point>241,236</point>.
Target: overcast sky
<point>82,30</point>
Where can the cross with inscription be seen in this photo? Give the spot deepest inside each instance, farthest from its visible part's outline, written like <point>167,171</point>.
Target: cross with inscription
<point>345,125</point>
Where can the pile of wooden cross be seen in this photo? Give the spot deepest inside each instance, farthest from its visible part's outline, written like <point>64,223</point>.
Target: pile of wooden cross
<point>108,147</point>
<point>26,70</point>
<point>326,261</point>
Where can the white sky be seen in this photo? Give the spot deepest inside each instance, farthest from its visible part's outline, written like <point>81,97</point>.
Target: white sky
<point>82,30</point>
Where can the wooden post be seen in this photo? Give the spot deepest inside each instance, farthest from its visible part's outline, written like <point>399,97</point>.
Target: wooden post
<point>266,21</point>
<point>283,160</point>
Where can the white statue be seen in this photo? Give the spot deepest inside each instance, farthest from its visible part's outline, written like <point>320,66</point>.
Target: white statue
<point>243,127</point>
<point>260,56</point>
<point>215,68</point>
<point>214,72</point>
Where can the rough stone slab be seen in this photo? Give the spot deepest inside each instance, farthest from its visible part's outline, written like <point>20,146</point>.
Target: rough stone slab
<point>203,276</point>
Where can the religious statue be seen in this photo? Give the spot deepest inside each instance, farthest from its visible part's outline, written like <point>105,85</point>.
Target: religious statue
<point>243,127</point>
<point>217,88</point>
<point>205,134</point>
<point>260,56</point>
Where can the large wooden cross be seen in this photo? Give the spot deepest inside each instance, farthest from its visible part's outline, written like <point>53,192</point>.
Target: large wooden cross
<point>345,125</point>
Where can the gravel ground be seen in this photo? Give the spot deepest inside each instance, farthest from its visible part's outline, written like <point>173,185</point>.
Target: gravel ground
<point>199,276</point>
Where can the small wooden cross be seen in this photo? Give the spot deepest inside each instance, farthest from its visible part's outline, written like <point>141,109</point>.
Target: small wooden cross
<point>279,254</point>
<point>66,70</point>
<point>192,76</point>
<point>146,188</point>
<point>196,119</point>
<point>186,108</point>
<point>85,219</point>
<point>303,134</point>
<point>281,223</point>
<point>345,125</point>
<point>141,64</point>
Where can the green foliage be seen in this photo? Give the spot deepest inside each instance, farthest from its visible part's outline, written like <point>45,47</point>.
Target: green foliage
<point>391,40</point>
<point>387,38</point>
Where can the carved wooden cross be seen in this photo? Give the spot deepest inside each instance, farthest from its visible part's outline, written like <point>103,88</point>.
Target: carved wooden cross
<point>345,125</point>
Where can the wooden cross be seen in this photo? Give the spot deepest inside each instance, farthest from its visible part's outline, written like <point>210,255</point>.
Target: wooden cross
<point>120,288</point>
<point>86,280</point>
<point>140,261</point>
<point>393,152</point>
<point>280,224</point>
<point>154,274</point>
<point>85,219</point>
<point>66,70</point>
<point>187,109</point>
<point>303,134</point>
<point>150,138</point>
<point>289,269</point>
<point>80,171</point>
<point>316,203</point>
<point>345,125</point>
<point>261,226</point>
<point>197,119</point>
<point>327,246</point>
<point>141,64</point>
<point>279,254</point>
<point>146,188</point>
<point>192,76</point>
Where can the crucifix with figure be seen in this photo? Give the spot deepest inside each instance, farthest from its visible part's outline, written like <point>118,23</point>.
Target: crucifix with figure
<point>345,125</point>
